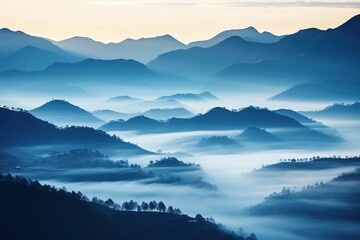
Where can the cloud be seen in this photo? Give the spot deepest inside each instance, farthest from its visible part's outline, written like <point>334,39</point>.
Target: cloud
<point>295,4</point>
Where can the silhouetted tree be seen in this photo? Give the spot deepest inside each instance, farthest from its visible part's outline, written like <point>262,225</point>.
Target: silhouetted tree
<point>144,206</point>
<point>161,207</point>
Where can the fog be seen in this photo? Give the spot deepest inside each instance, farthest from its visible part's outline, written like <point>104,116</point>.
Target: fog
<point>231,170</point>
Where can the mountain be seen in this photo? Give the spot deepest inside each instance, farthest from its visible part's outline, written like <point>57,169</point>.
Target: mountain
<point>253,134</point>
<point>114,75</point>
<point>238,65</point>
<point>346,89</point>
<point>222,119</point>
<point>124,99</point>
<point>142,50</point>
<point>315,164</point>
<point>336,111</point>
<point>27,205</point>
<point>109,115</point>
<point>322,204</point>
<point>30,59</point>
<point>63,113</point>
<point>215,119</point>
<point>220,141</point>
<point>208,96</point>
<point>167,113</point>
<point>21,51</point>
<point>11,42</point>
<point>203,63</point>
<point>182,97</point>
<point>191,97</point>
<point>155,104</point>
<point>249,34</point>
<point>156,113</point>
<point>19,128</point>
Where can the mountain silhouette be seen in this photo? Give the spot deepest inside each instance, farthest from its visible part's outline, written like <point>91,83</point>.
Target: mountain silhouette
<point>202,63</point>
<point>249,34</point>
<point>156,113</point>
<point>19,128</point>
<point>339,89</point>
<point>63,113</point>
<point>253,134</point>
<point>337,111</point>
<point>30,58</point>
<point>124,99</point>
<point>208,96</point>
<point>11,42</point>
<point>215,119</point>
<point>182,97</point>
<point>142,50</point>
<point>218,141</point>
<point>235,64</point>
<point>27,206</point>
<point>325,203</point>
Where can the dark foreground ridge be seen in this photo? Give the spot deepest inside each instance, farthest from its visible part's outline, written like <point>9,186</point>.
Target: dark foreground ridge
<point>32,211</point>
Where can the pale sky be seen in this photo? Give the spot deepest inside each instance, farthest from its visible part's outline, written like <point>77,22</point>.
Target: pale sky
<point>189,20</point>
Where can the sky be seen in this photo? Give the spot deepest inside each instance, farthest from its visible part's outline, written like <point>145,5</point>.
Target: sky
<point>186,20</point>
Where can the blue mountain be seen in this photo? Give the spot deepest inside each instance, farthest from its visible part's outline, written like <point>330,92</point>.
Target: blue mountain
<point>142,50</point>
<point>19,128</point>
<point>63,113</point>
<point>249,34</point>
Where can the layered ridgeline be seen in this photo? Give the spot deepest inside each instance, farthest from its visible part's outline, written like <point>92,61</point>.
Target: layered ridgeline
<point>20,51</point>
<point>328,58</point>
<point>114,75</point>
<point>315,208</point>
<point>25,205</point>
<point>157,113</point>
<point>142,50</point>
<point>62,113</point>
<point>84,165</point>
<point>223,119</point>
<point>249,34</point>
<point>20,128</point>
<point>337,111</point>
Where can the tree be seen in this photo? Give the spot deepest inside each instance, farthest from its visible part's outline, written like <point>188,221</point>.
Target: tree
<point>152,205</point>
<point>252,236</point>
<point>199,217</point>
<point>144,206</point>
<point>110,203</point>
<point>161,207</point>
<point>170,210</point>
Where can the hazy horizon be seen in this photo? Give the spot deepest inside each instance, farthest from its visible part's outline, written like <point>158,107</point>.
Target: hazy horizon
<point>115,20</point>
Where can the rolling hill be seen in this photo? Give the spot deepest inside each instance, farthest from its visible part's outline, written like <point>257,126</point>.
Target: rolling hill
<point>63,113</point>
<point>19,128</point>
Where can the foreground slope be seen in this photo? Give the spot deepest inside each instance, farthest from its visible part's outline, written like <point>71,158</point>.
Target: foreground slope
<point>32,211</point>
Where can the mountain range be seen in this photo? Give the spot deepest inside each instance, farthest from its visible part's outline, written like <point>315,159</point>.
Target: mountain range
<point>20,128</point>
<point>337,111</point>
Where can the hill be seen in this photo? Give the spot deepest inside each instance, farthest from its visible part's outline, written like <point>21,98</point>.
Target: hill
<point>336,111</point>
<point>254,134</point>
<point>19,128</point>
<point>27,205</point>
<point>339,89</point>
<point>142,50</point>
<point>215,119</point>
<point>124,99</point>
<point>249,34</point>
<point>324,205</point>
<point>63,113</point>
<point>220,141</point>
<point>182,97</point>
<point>313,164</point>
<point>11,41</point>
<point>30,58</point>
<point>307,54</point>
